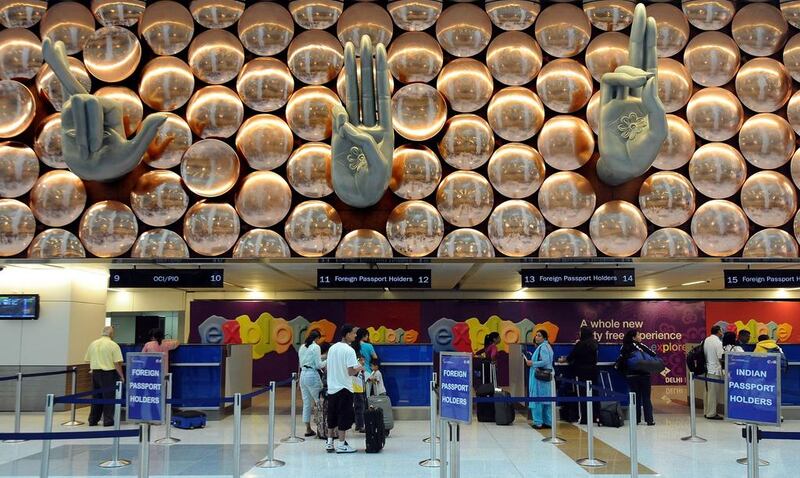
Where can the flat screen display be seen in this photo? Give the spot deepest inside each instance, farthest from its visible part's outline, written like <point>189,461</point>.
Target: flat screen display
<point>19,307</point>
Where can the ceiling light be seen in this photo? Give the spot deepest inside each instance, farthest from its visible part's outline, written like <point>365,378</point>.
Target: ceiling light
<point>658,289</point>
<point>695,282</point>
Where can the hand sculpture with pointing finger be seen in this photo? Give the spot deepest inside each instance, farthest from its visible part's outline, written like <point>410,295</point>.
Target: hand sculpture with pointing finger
<point>92,129</point>
<point>363,139</point>
<point>633,123</point>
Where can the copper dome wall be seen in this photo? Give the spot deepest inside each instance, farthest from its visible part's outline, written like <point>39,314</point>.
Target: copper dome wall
<point>495,109</point>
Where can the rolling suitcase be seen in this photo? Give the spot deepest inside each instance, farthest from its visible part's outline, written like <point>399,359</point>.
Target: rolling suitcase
<point>188,419</point>
<point>485,410</point>
<point>568,412</point>
<point>376,433</point>
<point>384,403</point>
<point>503,411</point>
<point>610,412</point>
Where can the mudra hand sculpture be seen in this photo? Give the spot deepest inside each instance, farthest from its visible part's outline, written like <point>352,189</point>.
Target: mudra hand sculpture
<point>633,124</point>
<point>363,139</point>
<point>92,130</point>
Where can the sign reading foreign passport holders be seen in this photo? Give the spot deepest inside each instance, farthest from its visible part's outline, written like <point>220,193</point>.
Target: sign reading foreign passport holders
<point>565,278</point>
<point>455,387</point>
<point>373,278</point>
<point>761,279</point>
<point>753,388</point>
<point>145,380</point>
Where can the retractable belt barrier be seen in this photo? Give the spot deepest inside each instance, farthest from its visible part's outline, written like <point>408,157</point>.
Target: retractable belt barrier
<point>18,394</point>
<point>703,378</point>
<point>764,435</point>
<point>25,436</point>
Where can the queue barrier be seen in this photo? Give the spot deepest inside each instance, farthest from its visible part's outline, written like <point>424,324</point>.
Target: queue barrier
<point>18,394</point>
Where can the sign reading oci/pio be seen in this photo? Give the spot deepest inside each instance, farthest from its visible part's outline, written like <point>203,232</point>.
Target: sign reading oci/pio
<point>566,278</point>
<point>145,380</point>
<point>753,388</point>
<point>455,387</point>
<point>166,278</point>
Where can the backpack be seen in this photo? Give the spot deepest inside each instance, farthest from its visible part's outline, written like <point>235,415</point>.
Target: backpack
<point>784,362</point>
<point>696,360</point>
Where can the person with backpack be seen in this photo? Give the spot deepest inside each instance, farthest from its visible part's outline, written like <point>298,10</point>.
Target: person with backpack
<point>713,351</point>
<point>639,381</point>
<point>767,345</point>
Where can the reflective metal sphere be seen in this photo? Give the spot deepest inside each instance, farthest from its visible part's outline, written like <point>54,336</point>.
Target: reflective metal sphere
<point>364,243</point>
<point>166,83</point>
<point>210,229</point>
<point>672,28</point>
<point>160,244</point>
<point>216,56</point>
<point>618,229</point>
<point>21,14</point>
<point>415,57</point>
<point>593,113</point>
<point>567,243</point>
<point>210,168</point>
<point>132,109</point>
<point>516,170</point>
<point>216,13</point>
<point>364,19</point>
<point>20,54</point>
<point>19,169</point>
<point>261,243</point>
<point>674,84</point>
<point>515,113</point>
<point>516,228</point>
<point>606,52</point>
<point>610,15</point>
<point>48,86</point>
<point>418,111</point>
<point>214,112</point>
<point>709,14</point>
<point>667,199</point>
<point>416,171</point>
<point>464,198</point>
<point>266,28</point>
<point>47,143</point>
<point>712,58</point>
<point>678,147</point>
<point>769,199</point>
<point>759,29</point>
<point>172,140</point>
<point>566,199</point>
<point>514,58</point>
<point>263,199</point>
<point>108,229</point>
<point>513,14</point>
<point>715,114</point>
<point>766,141</point>
<point>158,199</point>
<point>669,243</point>
<point>566,142</point>
<point>563,30</point>
<point>112,54</point>
<point>793,112</point>
<point>565,86</point>
<point>720,228</point>
<point>791,56</point>
<point>415,228</point>
<point>415,15</point>
<point>465,244</point>
<point>58,198</point>
<point>265,141</point>
<point>309,112</point>
<point>763,85</point>
<point>69,22</point>
<point>17,108</point>
<point>313,229</point>
<point>466,83</point>
<point>717,170</point>
<point>56,244</point>
<point>791,12</point>
<point>464,30</point>
<point>124,13</point>
<point>467,142</point>
<point>265,84</point>
<point>309,170</point>
<point>17,227</point>
<point>166,26</point>
<point>315,14</point>
<point>770,243</point>
<point>315,57</point>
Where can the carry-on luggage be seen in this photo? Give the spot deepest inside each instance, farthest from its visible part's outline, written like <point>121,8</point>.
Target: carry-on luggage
<point>376,433</point>
<point>485,410</point>
<point>610,412</point>
<point>484,371</point>
<point>503,411</point>
<point>568,412</point>
<point>384,403</point>
<point>320,412</point>
<point>188,419</point>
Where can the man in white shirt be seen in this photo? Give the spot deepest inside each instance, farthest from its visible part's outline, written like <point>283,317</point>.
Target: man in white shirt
<point>712,348</point>
<point>342,367</point>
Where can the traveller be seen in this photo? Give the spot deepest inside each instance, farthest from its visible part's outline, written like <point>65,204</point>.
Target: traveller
<point>730,343</point>
<point>743,338</point>
<point>712,348</point>
<point>583,363</point>
<point>490,343</point>
<point>359,397</point>
<point>376,378</point>
<point>639,381</point>
<point>366,348</point>
<point>311,363</point>
<point>342,367</point>
<point>159,344</point>
<point>105,363</point>
<point>767,345</point>
<point>541,360</point>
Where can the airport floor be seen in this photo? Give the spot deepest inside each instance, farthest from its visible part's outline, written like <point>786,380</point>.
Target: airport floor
<point>487,450</point>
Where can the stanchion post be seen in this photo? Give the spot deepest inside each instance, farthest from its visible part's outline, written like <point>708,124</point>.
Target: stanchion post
<point>168,439</point>
<point>17,409</point>
<point>692,413</point>
<point>634,453</point>
<point>436,419</point>
<point>293,438</point>
<point>270,461</point>
<point>432,462</point>
<point>591,460</point>
<point>444,449</point>
<point>144,450</point>
<point>553,438</point>
<point>115,461</point>
<point>455,450</point>
<point>48,427</point>
<point>237,434</point>
<point>747,460</point>
<point>73,422</point>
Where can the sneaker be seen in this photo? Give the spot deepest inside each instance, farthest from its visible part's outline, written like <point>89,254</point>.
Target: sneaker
<point>345,448</point>
<point>715,417</point>
<point>329,447</point>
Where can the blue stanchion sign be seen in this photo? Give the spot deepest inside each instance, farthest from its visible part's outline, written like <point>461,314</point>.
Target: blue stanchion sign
<point>145,384</point>
<point>753,388</point>
<point>455,387</point>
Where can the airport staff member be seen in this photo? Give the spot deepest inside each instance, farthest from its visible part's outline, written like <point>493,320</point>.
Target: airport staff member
<point>105,362</point>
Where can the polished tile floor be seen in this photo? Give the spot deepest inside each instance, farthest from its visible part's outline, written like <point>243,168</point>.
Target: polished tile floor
<point>487,451</point>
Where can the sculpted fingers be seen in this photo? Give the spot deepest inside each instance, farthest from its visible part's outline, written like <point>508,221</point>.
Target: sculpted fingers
<point>656,115</point>
<point>384,96</point>
<point>94,123</point>
<point>138,145</point>
<point>637,40</point>
<point>77,109</point>
<point>55,55</point>
<point>367,83</point>
<point>650,51</point>
<point>351,82</point>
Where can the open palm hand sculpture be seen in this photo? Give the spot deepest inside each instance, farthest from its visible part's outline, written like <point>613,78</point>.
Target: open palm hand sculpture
<point>92,129</point>
<point>363,139</point>
<point>633,124</point>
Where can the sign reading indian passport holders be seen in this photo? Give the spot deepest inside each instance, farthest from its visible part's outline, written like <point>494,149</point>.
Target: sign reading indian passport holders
<point>145,384</point>
<point>455,387</point>
<point>753,388</point>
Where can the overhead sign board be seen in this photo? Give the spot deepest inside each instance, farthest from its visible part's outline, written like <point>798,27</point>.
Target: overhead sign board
<point>166,278</point>
<point>373,278</point>
<point>753,388</point>
<point>761,278</point>
<point>576,277</point>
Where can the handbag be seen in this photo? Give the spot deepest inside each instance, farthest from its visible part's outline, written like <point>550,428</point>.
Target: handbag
<point>643,363</point>
<point>543,374</point>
